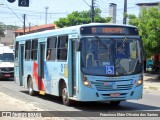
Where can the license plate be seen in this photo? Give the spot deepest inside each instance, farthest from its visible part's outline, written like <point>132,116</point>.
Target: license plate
<point>115,94</point>
<point>7,75</point>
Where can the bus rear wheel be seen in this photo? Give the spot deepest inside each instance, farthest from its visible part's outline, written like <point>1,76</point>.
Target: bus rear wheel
<point>65,98</point>
<point>30,87</point>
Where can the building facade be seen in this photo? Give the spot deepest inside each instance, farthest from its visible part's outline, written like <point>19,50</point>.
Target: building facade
<point>112,12</point>
<point>9,38</point>
<point>34,29</point>
<point>148,5</point>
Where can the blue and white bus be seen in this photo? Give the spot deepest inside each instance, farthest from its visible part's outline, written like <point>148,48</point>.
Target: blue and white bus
<point>91,62</point>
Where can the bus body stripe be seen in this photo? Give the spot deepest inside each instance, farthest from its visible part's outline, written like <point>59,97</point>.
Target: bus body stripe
<point>38,79</point>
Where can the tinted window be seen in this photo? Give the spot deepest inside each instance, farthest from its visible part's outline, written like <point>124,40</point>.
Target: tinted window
<point>34,49</point>
<point>28,50</point>
<point>51,48</point>
<point>62,47</point>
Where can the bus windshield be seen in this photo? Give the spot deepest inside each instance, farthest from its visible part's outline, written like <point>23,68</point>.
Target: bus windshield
<point>110,56</point>
<point>7,57</point>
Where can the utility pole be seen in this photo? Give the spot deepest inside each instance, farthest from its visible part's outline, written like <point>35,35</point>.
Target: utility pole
<point>24,23</point>
<point>125,12</point>
<point>92,11</point>
<point>29,27</point>
<point>46,12</point>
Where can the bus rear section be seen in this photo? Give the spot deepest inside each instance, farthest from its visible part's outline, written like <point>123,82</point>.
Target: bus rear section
<point>6,62</point>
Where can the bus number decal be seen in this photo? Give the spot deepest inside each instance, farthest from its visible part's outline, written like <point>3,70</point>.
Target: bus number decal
<point>93,30</point>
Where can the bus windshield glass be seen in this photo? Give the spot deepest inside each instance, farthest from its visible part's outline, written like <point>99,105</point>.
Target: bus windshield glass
<point>110,56</point>
<point>7,57</point>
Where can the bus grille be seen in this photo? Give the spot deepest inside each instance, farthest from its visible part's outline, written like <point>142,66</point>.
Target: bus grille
<point>7,69</point>
<point>115,86</point>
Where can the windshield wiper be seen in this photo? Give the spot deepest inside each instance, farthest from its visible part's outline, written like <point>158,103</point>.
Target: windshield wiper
<point>121,43</point>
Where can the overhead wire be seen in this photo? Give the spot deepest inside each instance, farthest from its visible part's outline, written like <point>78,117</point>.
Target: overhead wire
<point>86,3</point>
<point>35,11</point>
<point>14,13</point>
<point>33,14</point>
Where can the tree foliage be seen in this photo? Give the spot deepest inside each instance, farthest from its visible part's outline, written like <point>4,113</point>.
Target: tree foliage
<point>148,24</point>
<point>77,18</point>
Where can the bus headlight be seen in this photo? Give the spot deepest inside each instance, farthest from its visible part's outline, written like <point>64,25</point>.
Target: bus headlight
<point>140,81</point>
<point>85,81</point>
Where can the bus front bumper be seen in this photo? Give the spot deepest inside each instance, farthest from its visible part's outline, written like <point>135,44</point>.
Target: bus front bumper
<point>6,75</point>
<point>90,94</point>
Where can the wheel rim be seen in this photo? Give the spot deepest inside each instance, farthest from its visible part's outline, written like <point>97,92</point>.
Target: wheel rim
<point>64,95</point>
<point>30,90</point>
<point>30,87</point>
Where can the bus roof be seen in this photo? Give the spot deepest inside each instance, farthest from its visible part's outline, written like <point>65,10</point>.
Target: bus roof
<point>66,30</point>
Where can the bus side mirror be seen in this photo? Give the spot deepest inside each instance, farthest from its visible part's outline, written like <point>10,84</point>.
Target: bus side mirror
<point>78,45</point>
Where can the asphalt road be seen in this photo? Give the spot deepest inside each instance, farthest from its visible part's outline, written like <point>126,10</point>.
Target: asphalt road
<point>150,102</point>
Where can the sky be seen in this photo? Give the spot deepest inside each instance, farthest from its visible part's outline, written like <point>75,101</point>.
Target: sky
<point>12,14</point>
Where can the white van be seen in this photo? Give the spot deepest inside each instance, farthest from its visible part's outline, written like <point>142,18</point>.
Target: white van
<point>6,62</point>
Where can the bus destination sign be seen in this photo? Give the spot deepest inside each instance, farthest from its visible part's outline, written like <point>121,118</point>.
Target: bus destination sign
<point>108,30</point>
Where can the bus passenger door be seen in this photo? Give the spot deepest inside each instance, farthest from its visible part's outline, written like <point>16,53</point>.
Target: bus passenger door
<point>41,56</point>
<point>74,67</point>
<point>21,64</point>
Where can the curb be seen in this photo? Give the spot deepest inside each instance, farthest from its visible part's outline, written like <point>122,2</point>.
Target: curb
<point>151,88</point>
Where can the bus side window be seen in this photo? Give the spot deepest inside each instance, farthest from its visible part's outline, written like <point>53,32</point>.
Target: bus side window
<point>51,48</point>
<point>49,54</point>
<point>62,47</point>
<point>28,50</point>
<point>34,49</point>
<point>63,54</point>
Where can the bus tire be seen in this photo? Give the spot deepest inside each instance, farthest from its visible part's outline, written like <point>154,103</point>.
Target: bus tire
<point>30,87</point>
<point>65,99</point>
<point>115,103</point>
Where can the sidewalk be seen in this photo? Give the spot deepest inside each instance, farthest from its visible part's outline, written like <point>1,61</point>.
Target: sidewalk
<point>151,83</point>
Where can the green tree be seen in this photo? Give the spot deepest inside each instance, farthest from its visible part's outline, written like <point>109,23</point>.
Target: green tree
<point>148,24</point>
<point>77,18</point>
<point>12,27</point>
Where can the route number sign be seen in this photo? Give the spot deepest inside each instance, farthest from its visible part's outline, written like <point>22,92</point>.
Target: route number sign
<point>23,3</point>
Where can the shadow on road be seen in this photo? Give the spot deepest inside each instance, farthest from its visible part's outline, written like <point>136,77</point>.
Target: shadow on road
<point>124,106</point>
<point>46,97</point>
<point>7,79</point>
<point>97,106</point>
<point>151,77</point>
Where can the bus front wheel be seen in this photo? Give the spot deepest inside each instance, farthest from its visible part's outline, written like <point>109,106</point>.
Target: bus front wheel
<point>65,99</point>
